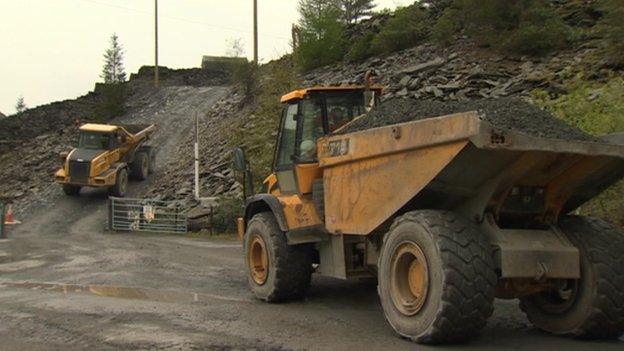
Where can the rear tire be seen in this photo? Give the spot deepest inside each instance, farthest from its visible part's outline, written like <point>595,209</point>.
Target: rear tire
<point>593,307</point>
<point>71,190</point>
<point>152,161</point>
<point>276,271</point>
<point>436,277</point>
<point>140,166</point>
<point>121,183</point>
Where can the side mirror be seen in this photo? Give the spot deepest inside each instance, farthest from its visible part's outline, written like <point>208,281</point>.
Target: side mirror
<point>240,163</point>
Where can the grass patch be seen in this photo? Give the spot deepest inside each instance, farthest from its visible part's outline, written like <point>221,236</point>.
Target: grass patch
<point>597,109</point>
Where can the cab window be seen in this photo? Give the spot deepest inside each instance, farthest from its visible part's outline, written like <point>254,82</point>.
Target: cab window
<point>286,148</point>
<point>311,129</point>
<point>342,108</point>
<point>94,140</point>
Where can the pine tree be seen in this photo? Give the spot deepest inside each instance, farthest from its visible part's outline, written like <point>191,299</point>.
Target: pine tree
<point>353,10</point>
<point>20,105</point>
<point>113,71</point>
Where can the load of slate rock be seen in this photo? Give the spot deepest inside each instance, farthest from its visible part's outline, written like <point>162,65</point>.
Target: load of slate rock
<point>505,113</point>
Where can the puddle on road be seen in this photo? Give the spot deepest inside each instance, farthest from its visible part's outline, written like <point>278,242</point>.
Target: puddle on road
<point>124,292</point>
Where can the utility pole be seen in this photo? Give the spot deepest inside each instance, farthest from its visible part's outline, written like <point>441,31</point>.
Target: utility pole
<point>156,78</point>
<point>255,14</point>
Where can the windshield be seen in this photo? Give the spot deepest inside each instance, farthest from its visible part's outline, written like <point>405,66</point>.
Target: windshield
<point>342,108</point>
<point>93,140</point>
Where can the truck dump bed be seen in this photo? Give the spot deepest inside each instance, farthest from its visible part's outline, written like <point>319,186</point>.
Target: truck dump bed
<point>459,162</point>
<point>138,130</point>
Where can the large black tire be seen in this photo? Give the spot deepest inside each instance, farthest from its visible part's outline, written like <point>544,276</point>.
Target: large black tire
<point>121,183</point>
<point>460,276</point>
<point>152,161</point>
<point>71,190</point>
<point>139,168</point>
<point>289,266</point>
<point>594,305</point>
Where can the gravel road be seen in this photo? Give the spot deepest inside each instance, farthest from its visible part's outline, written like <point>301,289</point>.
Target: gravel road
<point>67,284</point>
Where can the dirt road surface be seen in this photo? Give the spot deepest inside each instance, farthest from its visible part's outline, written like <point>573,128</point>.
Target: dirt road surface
<point>67,284</point>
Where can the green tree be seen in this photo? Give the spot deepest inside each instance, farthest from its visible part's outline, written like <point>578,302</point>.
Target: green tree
<point>20,105</point>
<point>113,93</point>
<point>321,34</point>
<point>113,71</point>
<point>408,27</point>
<point>518,26</point>
<point>353,10</point>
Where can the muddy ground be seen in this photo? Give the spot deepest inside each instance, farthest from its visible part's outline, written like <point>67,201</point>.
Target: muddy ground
<point>67,284</point>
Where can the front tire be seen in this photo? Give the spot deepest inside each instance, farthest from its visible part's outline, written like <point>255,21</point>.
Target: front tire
<point>121,183</point>
<point>436,277</point>
<point>276,271</point>
<point>593,306</point>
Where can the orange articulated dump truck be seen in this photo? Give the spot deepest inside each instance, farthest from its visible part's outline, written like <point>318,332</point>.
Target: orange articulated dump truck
<point>446,212</point>
<point>106,156</point>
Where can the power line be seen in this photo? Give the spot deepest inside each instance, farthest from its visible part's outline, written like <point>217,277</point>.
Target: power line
<point>181,19</point>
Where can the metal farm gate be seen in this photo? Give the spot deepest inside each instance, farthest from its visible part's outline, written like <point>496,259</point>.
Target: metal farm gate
<point>147,215</point>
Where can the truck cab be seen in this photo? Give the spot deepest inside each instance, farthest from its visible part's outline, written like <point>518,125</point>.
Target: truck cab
<point>307,115</point>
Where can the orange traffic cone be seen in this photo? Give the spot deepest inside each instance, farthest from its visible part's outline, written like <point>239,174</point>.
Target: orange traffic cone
<point>8,217</point>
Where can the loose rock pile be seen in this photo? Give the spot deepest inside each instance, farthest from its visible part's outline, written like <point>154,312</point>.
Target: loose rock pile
<point>216,176</point>
<point>505,113</point>
<point>458,73</point>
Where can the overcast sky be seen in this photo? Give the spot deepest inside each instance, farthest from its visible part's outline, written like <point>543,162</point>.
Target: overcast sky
<point>52,49</point>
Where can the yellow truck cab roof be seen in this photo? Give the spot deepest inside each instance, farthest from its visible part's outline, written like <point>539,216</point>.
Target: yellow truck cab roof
<point>102,128</point>
<point>299,94</point>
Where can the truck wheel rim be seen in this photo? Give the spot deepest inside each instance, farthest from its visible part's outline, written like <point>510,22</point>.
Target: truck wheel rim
<point>559,300</point>
<point>258,259</point>
<point>409,278</point>
<point>144,166</point>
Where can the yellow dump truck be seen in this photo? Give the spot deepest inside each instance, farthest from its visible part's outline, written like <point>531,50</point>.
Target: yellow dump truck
<point>447,212</point>
<point>106,156</point>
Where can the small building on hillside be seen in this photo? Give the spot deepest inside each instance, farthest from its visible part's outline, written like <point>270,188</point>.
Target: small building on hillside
<point>221,63</point>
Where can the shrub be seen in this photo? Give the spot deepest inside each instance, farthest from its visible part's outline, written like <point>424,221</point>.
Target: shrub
<point>361,49</point>
<point>539,32</point>
<point>112,102</point>
<point>528,27</point>
<point>244,74</point>
<point>409,27</point>
<point>443,30</point>
<point>225,215</point>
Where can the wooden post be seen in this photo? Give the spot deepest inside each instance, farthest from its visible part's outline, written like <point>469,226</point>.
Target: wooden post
<point>255,14</point>
<point>156,77</point>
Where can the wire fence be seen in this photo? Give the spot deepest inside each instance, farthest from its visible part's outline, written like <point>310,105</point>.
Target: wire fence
<point>145,215</point>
